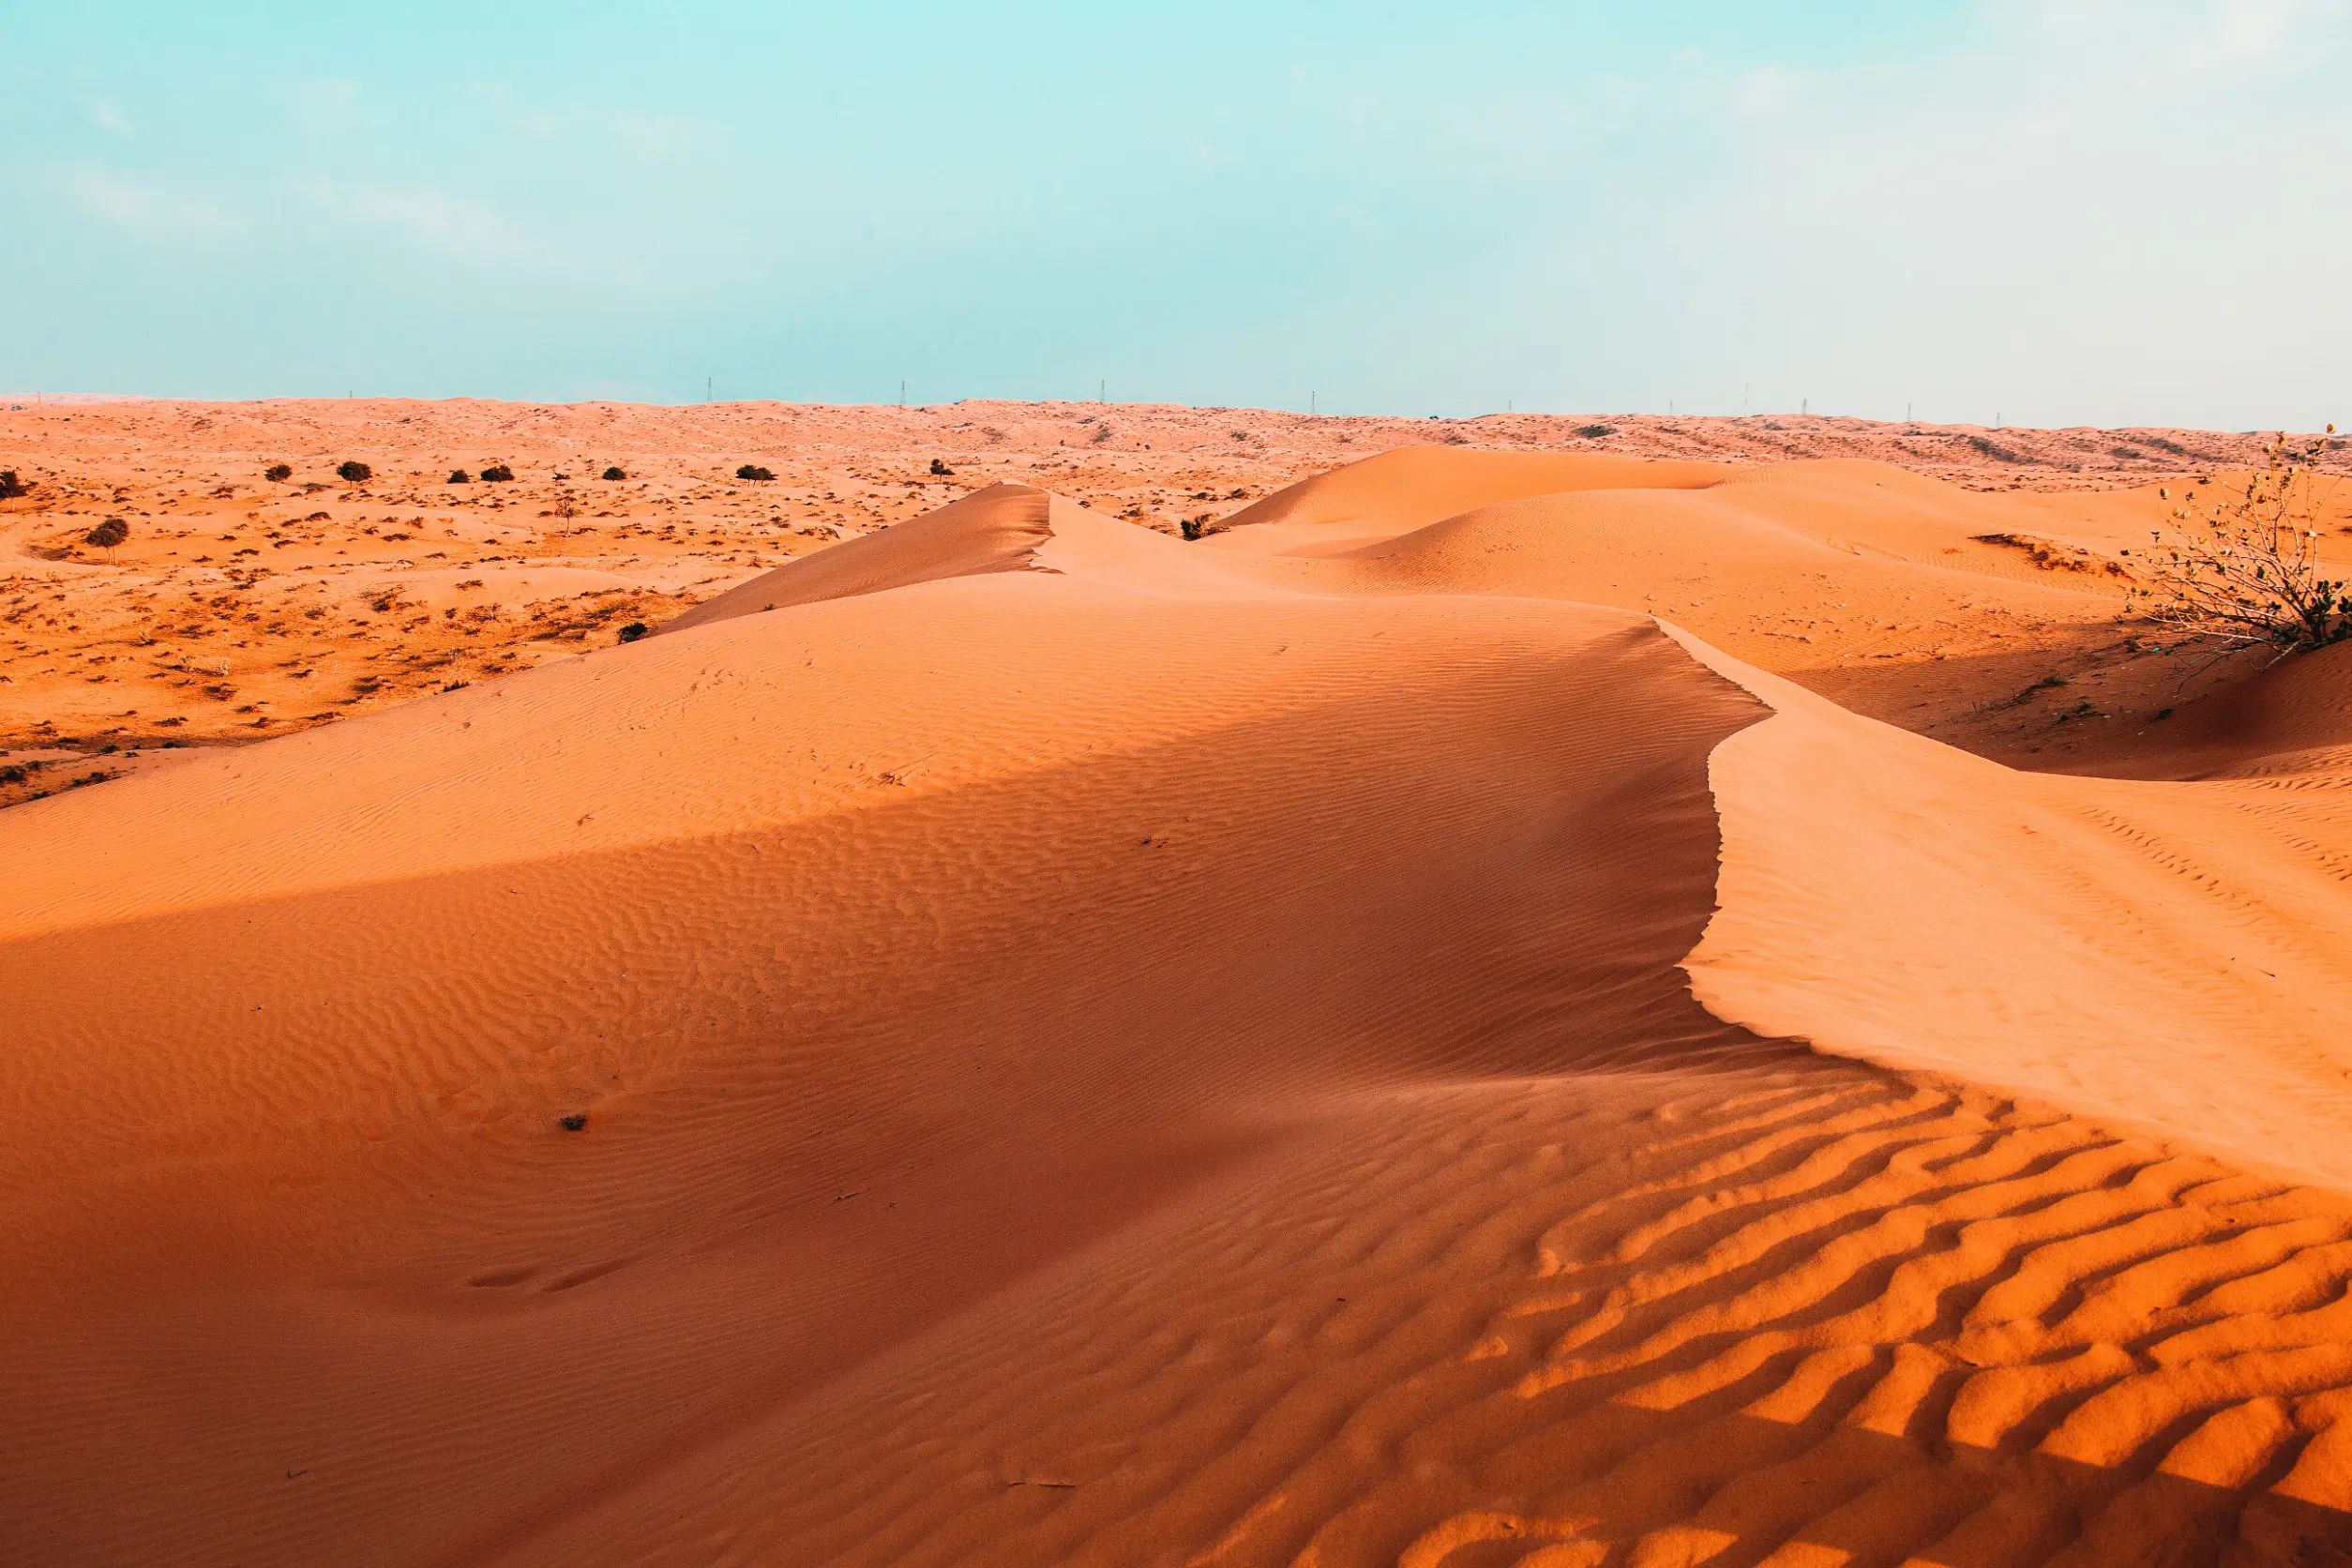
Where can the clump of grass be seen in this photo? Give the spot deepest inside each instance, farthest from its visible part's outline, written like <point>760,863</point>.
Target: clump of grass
<point>573,1123</point>
<point>353,472</point>
<point>2241,570</point>
<point>615,475</point>
<point>753,471</point>
<point>497,474</point>
<point>278,473</point>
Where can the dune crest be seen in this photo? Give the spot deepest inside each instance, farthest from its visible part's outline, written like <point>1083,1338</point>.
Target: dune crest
<point>996,529</point>
<point>2169,955</point>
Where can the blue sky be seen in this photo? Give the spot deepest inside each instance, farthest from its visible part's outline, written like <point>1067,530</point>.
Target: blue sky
<point>2081,211</point>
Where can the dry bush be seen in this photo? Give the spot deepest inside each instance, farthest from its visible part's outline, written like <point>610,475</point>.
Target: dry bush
<point>2239,569</point>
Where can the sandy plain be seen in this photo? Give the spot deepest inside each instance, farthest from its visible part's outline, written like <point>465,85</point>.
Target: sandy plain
<point>1549,993</point>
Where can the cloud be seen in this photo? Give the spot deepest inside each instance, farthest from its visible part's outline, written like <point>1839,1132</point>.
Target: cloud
<point>153,209</point>
<point>434,219</point>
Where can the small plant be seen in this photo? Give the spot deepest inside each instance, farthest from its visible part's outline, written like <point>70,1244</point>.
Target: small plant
<point>460,477</point>
<point>615,475</point>
<point>634,630</point>
<point>573,1123</point>
<point>753,470</point>
<point>353,472</point>
<point>2242,570</point>
<point>497,474</point>
<point>1594,432</point>
<point>1195,527</point>
<point>107,535</point>
<point>940,469</point>
<point>278,473</point>
<point>10,486</point>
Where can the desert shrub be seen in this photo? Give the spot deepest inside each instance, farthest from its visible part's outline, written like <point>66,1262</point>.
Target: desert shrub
<point>278,473</point>
<point>573,1123</point>
<point>10,486</point>
<point>615,475</point>
<point>940,469</point>
<point>353,472</point>
<point>497,474</point>
<point>107,535</point>
<point>2241,570</point>
<point>460,477</point>
<point>1594,432</point>
<point>634,630</point>
<point>1195,527</point>
<point>753,470</point>
<point>1998,452</point>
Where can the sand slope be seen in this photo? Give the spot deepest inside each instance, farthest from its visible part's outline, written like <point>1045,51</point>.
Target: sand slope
<point>994,529</point>
<point>1349,1043</point>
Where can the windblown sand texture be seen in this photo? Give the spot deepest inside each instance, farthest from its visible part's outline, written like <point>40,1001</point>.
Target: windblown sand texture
<point>1510,1007</point>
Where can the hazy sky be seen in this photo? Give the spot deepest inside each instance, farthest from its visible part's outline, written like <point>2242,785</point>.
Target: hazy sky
<point>2083,211</point>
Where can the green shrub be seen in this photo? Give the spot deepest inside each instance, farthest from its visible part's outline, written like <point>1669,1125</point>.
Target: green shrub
<point>497,474</point>
<point>615,475</point>
<point>10,486</point>
<point>2243,571</point>
<point>354,473</point>
<point>753,470</point>
<point>278,473</point>
<point>460,477</point>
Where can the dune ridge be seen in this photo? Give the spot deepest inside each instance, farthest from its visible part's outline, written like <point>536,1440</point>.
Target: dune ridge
<point>1370,1039</point>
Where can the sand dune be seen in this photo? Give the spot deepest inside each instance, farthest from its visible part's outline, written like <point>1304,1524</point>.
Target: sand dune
<point>1494,1012</point>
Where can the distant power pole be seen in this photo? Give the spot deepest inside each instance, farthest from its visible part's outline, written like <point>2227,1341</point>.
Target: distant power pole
<point>902,394</point>
<point>708,382</point>
<point>1310,403</point>
<point>1102,389</point>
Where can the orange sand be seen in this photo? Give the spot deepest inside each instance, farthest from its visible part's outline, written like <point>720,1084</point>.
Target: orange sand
<point>1508,1007</point>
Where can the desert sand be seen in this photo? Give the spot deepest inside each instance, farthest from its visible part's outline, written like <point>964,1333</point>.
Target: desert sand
<point>1683,995</point>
